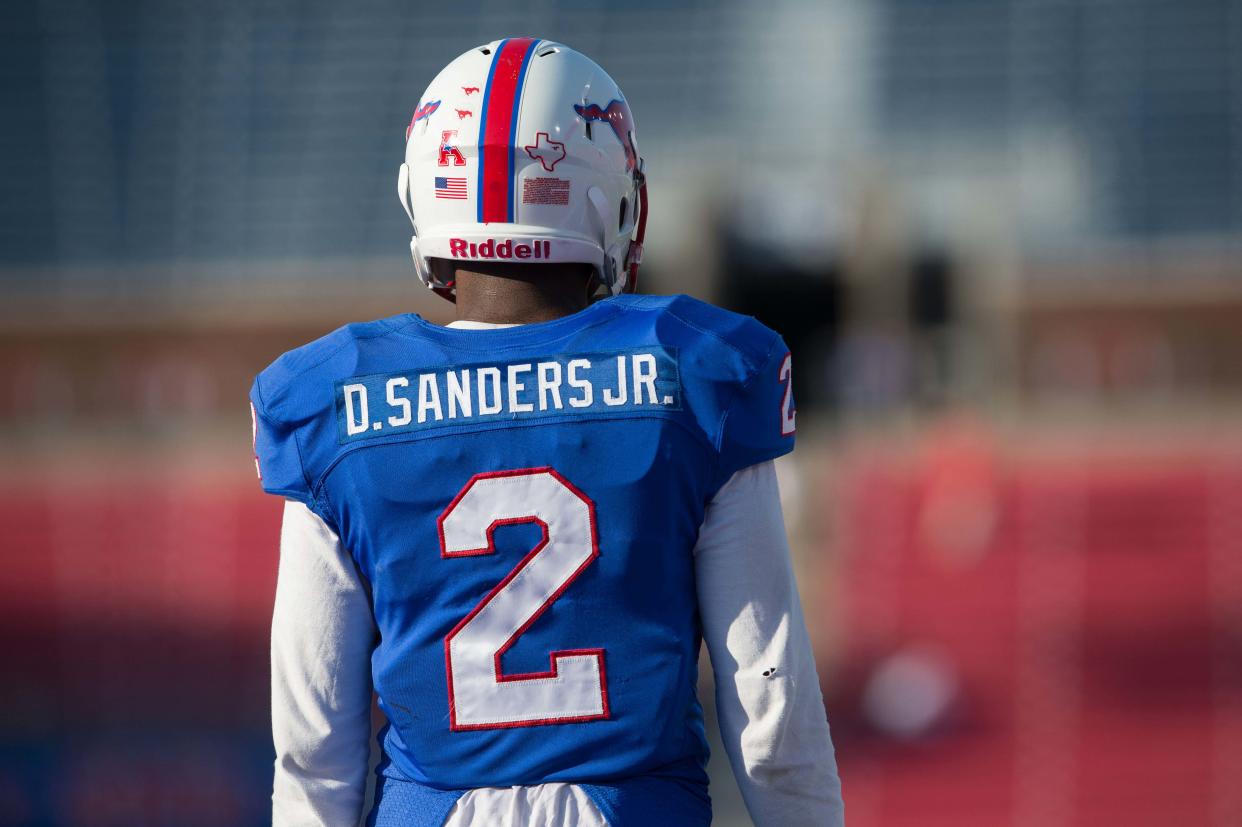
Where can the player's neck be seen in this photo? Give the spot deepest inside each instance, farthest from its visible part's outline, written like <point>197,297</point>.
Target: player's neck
<point>517,297</point>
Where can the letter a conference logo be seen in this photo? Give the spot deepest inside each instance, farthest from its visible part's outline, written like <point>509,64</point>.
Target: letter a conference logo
<point>448,149</point>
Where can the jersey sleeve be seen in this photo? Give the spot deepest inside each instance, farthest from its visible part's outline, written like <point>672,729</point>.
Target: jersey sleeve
<point>759,423</point>
<point>276,453</point>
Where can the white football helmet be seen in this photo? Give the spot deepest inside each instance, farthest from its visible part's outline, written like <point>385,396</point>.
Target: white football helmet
<point>523,150</point>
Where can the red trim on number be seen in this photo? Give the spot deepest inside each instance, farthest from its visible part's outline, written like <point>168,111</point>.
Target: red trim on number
<point>254,440</point>
<point>490,548</point>
<point>498,129</point>
<point>786,375</point>
<point>554,656</point>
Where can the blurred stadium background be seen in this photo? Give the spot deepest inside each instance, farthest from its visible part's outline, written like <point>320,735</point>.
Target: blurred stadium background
<point>1003,237</point>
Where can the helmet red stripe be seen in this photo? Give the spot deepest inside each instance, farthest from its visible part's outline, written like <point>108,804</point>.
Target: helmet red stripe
<point>499,118</point>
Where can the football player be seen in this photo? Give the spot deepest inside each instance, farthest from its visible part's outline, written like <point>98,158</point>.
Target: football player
<point>516,529</point>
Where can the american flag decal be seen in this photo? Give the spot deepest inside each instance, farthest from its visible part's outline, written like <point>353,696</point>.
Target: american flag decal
<point>451,188</point>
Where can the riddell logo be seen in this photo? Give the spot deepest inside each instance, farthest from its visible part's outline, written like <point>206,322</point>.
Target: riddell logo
<point>460,248</point>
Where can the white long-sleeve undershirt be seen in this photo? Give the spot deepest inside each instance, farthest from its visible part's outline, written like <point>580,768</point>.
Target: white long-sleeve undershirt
<point>773,725</point>
<point>768,702</point>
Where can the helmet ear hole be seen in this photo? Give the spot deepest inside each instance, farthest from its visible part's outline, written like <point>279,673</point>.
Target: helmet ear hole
<point>625,204</point>
<point>443,270</point>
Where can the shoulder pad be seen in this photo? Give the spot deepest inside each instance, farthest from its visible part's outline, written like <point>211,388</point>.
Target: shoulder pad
<point>292,400</point>
<point>737,373</point>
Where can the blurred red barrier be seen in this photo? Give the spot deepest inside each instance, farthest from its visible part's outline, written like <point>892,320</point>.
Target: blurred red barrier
<point>134,608</point>
<point>1040,637</point>
<point>136,595</point>
<point>1033,636</point>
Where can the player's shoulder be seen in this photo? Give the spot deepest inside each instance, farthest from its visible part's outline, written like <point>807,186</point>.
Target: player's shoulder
<point>734,374</point>
<point>330,357</point>
<point>706,327</point>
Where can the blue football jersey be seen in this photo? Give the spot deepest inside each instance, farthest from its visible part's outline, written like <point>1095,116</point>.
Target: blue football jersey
<point>523,504</point>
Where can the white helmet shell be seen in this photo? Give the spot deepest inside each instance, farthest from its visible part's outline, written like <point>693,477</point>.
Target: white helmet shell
<point>523,150</point>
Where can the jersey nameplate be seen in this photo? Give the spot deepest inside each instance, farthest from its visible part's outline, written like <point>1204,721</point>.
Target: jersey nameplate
<point>611,383</point>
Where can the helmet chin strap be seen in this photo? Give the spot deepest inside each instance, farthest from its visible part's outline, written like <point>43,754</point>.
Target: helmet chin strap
<point>428,277</point>
<point>446,293</point>
<point>635,255</point>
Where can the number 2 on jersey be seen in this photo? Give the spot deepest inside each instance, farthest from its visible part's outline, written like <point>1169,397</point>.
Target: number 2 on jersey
<point>788,412</point>
<point>481,696</point>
